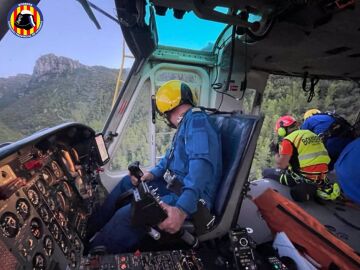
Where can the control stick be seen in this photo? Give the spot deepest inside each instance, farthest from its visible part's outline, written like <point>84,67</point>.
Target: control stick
<point>134,169</point>
<point>146,209</point>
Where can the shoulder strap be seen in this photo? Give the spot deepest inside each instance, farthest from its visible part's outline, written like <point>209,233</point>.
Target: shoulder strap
<point>339,128</point>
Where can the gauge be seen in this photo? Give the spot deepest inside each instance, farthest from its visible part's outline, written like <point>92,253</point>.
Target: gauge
<point>33,197</point>
<point>72,257</point>
<point>51,203</point>
<point>23,208</point>
<point>36,228</point>
<point>47,175</point>
<point>44,214</point>
<point>68,232</point>
<point>63,245</point>
<point>41,186</point>
<point>39,153</point>
<point>61,200</point>
<point>68,191</point>
<point>77,244</point>
<point>9,224</point>
<point>56,169</point>
<point>39,262</point>
<point>48,245</point>
<point>61,218</point>
<point>55,231</point>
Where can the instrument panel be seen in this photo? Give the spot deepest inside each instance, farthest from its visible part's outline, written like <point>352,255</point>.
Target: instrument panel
<point>52,187</point>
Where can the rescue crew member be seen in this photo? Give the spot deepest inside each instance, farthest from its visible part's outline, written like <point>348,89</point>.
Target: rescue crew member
<point>301,159</point>
<point>193,159</point>
<point>321,124</point>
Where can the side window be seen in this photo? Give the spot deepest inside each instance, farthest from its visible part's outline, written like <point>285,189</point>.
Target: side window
<point>135,139</point>
<point>248,100</point>
<point>163,133</point>
<point>163,136</point>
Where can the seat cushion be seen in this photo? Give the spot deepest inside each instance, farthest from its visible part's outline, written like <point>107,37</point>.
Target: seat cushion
<point>236,131</point>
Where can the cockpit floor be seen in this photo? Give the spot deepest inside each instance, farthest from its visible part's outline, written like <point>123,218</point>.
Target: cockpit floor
<point>341,219</point>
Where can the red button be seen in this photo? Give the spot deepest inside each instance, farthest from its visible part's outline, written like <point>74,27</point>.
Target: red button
<point>33,164</point>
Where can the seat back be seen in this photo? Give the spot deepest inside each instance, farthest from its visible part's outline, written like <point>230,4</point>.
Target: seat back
<point>239,134</point>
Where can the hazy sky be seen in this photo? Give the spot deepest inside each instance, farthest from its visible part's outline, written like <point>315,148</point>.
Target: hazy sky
<point>67,31</point>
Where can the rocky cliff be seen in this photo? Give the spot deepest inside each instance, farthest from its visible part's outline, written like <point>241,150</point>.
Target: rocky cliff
<point>52,64</point>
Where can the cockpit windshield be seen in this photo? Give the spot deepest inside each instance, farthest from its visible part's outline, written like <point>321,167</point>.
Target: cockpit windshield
<point>190,32</point>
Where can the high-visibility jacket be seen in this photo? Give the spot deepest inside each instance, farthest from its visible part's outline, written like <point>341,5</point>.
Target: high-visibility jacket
<point>311,150</point>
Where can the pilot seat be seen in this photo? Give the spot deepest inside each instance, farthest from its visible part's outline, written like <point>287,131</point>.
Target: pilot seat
<point>239,135</point>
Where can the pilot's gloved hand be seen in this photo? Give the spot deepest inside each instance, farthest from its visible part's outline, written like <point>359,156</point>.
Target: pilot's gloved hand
<point>146,177</point>
<point>175,219</point>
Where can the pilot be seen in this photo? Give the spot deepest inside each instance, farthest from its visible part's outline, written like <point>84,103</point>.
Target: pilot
<point>25,20</point>
<point>302,162</point>
<point>335,139</point>
<point>193,160</point>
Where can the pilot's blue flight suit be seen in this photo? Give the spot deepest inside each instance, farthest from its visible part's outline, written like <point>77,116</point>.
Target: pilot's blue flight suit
<point>195,159</point>
<point>320,123</point>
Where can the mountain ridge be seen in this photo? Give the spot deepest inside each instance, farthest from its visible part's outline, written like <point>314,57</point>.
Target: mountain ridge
<point>59,90</point>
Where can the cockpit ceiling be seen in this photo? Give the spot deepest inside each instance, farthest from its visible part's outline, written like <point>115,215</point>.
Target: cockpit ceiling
<point>330,50</point>
<point>299,43</point>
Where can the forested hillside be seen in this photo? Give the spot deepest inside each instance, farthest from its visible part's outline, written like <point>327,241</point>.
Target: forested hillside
<point>284,95</point>
<point>59,90</point>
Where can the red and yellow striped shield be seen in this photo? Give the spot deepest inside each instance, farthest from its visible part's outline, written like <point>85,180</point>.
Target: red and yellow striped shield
<point>25,20</point>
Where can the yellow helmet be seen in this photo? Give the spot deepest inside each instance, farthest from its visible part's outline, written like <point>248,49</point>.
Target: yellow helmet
<point>310,113</point>
<point>172,94</point>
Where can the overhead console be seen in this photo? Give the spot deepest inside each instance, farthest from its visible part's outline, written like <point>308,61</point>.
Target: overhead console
<point>49,184</point>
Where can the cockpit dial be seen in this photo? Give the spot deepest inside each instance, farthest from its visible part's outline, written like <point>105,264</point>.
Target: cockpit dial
<point>39,262</point>
<point>47,175</point>
<point>33,197</point>
<point>51,203</point>
<point>72,257</point>
<point>62,219</point>
<point>77,244</point>
<point>36,228</point>
<point>56,169</point>
<point>9,224</point>
<point>68,191</point>
<point>23,208</point>
<point>63,204</point>
<point>41,186</point>
<point>44,213</point>
<point>64,246</point>
<point>55,230</point>
<point>48,246</point>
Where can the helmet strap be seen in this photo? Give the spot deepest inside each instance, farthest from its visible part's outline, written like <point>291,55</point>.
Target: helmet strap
<point>179,119</point>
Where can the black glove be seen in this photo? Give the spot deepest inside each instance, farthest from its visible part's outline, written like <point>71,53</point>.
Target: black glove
<point>274,148</point>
